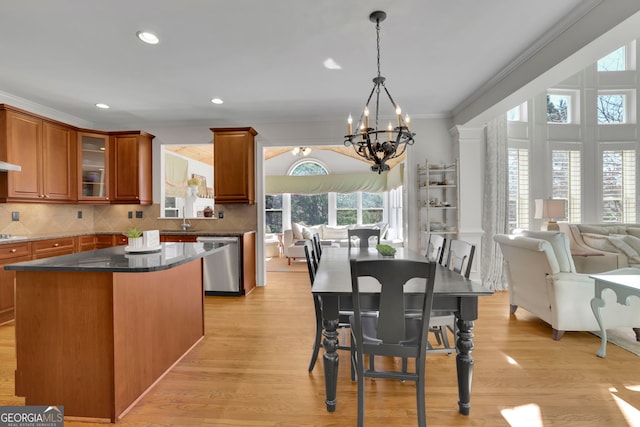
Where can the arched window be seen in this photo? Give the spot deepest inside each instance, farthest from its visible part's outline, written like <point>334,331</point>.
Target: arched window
<point>308,167</point>
<point>309,209</point>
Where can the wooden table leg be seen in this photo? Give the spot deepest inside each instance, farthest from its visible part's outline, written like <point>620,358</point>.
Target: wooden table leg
<point>464,364</point>
<point>330,344</point>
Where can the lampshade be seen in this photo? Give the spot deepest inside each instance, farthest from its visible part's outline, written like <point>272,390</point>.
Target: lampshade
<point>550,209</point>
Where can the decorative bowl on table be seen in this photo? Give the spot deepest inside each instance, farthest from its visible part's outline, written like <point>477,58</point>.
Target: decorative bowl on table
<point>386,250</point>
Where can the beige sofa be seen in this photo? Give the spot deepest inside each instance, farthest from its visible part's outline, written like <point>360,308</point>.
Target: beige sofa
<point>543,280</point>
<point>293,239</point>
<point>597,248</point>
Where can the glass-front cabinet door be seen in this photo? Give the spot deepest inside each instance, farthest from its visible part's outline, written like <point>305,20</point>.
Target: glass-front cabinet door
<point>93,161</point>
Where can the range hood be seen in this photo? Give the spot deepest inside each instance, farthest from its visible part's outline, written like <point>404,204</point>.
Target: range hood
<point>8,167</point>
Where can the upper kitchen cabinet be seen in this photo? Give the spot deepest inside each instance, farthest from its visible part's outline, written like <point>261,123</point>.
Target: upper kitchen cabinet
<point>131,180</point>
<point>234,165</point>
<point>93,161</point>
<point>46,152</point>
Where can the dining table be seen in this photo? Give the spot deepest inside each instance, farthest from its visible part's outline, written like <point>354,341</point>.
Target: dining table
<point>452,293</point>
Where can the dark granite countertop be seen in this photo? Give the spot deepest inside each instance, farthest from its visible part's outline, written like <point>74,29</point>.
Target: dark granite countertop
<point>116,259</point>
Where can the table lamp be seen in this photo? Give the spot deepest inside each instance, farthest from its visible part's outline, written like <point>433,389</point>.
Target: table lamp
<point>550,210</point>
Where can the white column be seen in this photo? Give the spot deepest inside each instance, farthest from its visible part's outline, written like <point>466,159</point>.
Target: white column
<point>469,148</point>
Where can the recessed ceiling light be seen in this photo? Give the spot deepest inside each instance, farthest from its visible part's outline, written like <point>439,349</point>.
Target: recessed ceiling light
<point>330,64</point>
<point>147,37</point>
<point>101,105</point>
<point>217,101</point>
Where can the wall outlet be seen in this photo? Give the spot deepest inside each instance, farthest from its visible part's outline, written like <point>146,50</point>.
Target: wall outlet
<point>220,214</point>
<point>138,214</point>
<point>130,214</point>
<point>79,214</point>
<point>15,216</point>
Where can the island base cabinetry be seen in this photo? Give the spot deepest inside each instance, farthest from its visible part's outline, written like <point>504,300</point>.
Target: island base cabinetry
<point>96,342</point>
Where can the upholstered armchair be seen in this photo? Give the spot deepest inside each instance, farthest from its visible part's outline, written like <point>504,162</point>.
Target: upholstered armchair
<point>542,279</point>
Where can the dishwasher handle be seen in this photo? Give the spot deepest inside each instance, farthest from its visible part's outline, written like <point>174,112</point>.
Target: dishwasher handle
<point>205,239</point>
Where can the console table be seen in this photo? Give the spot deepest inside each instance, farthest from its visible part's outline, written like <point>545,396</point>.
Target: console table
<point>625,282</point>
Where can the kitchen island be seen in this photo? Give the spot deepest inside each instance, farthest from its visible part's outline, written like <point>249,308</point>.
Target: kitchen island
<point>96,330</point>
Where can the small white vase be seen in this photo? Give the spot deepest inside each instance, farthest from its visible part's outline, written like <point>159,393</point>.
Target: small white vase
<point>136,242</point>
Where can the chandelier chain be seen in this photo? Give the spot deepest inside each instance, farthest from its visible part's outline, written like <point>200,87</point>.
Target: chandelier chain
<point>378,44</point>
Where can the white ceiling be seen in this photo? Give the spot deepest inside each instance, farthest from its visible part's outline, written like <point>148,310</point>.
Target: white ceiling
<point>264,58</point>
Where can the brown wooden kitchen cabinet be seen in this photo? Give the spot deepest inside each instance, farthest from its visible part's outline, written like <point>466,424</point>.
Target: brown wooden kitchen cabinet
<point>46,152</point>
<point>119,239</point>
<point>10,254</point>
<point>93,167</point>
<point>53,247</point>
<point>105,240</point>
<point>86,243</point>
<point>248,262</point>
<point>131,180</point>
<point>234,165</point>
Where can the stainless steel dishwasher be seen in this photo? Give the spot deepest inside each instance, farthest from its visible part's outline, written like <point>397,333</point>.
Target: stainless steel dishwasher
<point>221,270</point>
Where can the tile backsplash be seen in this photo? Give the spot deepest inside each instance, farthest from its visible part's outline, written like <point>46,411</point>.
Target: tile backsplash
<point>54,219</point>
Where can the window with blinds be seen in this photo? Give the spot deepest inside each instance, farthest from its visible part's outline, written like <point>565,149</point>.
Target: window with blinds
<point>565,178</point>
<point>619,186</point>
<point>518,187</point>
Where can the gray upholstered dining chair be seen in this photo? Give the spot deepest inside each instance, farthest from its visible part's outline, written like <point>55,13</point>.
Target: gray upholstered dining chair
<point>363,235</point>
<point>395,330</point>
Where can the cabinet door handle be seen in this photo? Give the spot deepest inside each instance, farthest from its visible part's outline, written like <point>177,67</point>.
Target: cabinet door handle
<point>55,245</point>
<point>13,251</point>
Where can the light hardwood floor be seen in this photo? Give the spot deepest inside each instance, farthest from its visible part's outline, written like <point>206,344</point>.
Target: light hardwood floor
<point>251,370</point>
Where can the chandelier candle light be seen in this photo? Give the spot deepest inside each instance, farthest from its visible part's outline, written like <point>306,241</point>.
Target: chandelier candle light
<point>371,143</point>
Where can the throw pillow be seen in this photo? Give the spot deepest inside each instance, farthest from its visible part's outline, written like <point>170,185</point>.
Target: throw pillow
<point>315,229</point>
<point>306,233</point>
<point>384,228</point>
<point>634,231</point>
<point>633,241</point>
<point>595,229</point>
<point>619,242</point>
<point>598,241</point>
<point>334,232</point>
<point>297,231</point>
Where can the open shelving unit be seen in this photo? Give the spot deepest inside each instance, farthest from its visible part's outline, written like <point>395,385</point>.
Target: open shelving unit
<point>437,200</point>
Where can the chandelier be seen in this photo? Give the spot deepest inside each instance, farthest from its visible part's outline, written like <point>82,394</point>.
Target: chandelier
<point>301,151</point>
<point>372,143</point>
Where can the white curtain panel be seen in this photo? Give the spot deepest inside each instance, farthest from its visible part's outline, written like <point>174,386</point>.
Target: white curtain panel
<point>494,213</point>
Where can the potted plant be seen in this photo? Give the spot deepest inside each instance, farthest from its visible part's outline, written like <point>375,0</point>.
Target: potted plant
<point>134,235</point>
